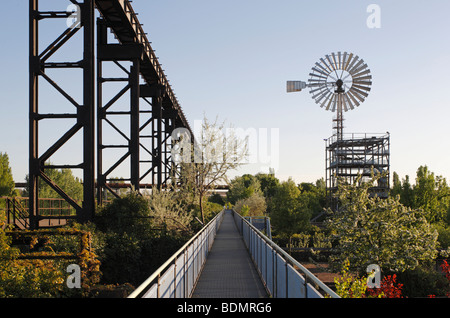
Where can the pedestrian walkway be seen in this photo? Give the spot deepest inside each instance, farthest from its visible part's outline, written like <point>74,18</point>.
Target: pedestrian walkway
<point>229,271</point>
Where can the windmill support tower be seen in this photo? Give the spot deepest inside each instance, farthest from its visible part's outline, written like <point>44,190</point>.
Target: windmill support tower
<point>339,82</point>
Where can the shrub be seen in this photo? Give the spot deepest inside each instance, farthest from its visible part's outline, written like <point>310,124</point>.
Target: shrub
<point>348,286</point>
<point>140,234</point>
<point>422,282</point>
<point>255,205</point>
<point>389,288</point>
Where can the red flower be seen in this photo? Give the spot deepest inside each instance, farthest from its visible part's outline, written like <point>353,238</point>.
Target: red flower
<point>446,269</point>
<point>389,288</point>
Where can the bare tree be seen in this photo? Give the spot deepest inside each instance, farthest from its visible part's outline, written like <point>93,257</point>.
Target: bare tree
<point>216,151</point>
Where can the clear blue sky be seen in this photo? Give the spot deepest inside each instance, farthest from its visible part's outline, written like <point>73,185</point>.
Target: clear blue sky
<point>232,58</point>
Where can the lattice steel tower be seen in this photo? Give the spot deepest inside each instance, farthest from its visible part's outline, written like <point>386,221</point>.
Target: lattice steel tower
<point>339,82</point>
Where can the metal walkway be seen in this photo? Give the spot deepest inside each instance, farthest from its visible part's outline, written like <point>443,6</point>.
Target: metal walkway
<point>231,258</point>
<point>229,271</point>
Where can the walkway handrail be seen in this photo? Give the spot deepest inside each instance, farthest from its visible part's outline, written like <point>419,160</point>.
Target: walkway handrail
<point>283,276</point>
<point>177,277</point>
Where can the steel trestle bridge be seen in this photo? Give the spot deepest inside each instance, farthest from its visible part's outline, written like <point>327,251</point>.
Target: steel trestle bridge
<point>153,111</point>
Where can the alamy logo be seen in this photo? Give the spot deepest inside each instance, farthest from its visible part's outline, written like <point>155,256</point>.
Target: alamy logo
<point>374,276</point>
<point>374,19</point>
<point>74,279</point>
<point>74,20</point>
<point>262,145</point>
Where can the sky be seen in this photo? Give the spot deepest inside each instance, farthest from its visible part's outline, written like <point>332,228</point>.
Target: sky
<point>231,60</point>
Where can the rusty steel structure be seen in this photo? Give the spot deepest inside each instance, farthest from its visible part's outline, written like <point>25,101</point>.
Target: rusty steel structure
<point>357,157</point>
<point>152,110</point>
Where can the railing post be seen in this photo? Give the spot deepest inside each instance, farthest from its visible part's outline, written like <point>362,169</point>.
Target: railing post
<point>185,276</point>
<point>275,276</point>
<point>306,286</point>
<point>287,281</point>
<point>157,288</point>
<point>175,278</point>
<point>8,212</point>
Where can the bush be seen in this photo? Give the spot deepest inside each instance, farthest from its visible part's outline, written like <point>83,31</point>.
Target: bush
<point>255,205</point>
<point>444,236</point>
<point>40,277</point>
<point>422,282</point>
<point>130,214</point>
<point>137,237</point>
<point>370,230</point>
<point>210,210</point>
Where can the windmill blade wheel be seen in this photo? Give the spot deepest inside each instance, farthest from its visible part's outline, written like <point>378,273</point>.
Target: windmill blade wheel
<point>344,74</point>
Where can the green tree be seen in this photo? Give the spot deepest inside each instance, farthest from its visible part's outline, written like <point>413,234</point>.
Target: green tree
<point>396,185</point>
<point>243,187</point>
<point>369,230</point>
<point>168,212</point>
<point>216,198</point>
<point>7,185</point>
<point>431,193</point>
<point>65,180</point>
<point>289,212</point>
<point>268,184</point>
<point>403,189</point>
<point>314,195</point>
<point>255,205</point>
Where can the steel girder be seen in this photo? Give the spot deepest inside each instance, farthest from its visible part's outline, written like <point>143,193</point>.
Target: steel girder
<point>146,142</point>
<point>83,113</point>
<point>161,118</point>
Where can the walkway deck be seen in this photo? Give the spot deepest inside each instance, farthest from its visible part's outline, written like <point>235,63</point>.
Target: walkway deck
<point>229,271</point>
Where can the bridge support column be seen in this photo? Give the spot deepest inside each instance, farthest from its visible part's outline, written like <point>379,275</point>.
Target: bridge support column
<point>41,66</point>
<point>110,115</point>
<point>145,144</point>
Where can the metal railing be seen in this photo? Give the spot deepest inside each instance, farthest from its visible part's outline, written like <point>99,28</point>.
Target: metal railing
<point>282,275</point>
<point>53,211</point>
<point>262,223</point>
<point>177,277</point>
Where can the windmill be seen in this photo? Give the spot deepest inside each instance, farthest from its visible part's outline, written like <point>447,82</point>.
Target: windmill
<point>338,82</point>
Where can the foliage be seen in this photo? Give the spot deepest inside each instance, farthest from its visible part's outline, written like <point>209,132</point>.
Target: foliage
<point>301,240</point>
<point>402,189</point>
<point>268,184</point>
<point>216,198</point>
<point>352,286</point>
<point>65,179</point>
<point>42,272</point>
<point>446,269</point>
<point>320,240</point>
<point>138,236</point>
<point>7,185</point>
<point>423,281</point>
<point>290,213</point>
<point>243,187</point>
<point>430,193</point>
<point>348,286</point>
<point>369,230</point>
<point>210,210</point>
<point>255,205</point>
<point>314,196</point>
<point>128,214</point>
<point>444,236</point>
<point>389,288</point>
<point>167,212</point>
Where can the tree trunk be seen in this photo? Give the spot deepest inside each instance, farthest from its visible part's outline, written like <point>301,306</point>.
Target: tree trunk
<point>201,208</point>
